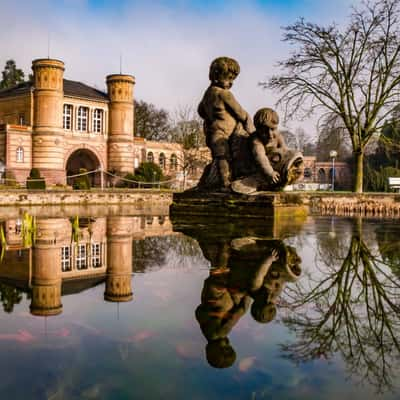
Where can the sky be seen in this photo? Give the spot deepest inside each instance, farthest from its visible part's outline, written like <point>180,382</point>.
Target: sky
<point>167,45</point>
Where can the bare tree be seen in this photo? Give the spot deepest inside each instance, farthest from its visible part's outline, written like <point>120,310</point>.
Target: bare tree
<point>353,72</point>
<point>187,128</point>
<point>150,122</point>
<point>332,135</point>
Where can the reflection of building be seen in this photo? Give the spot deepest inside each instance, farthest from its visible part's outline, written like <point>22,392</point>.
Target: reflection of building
<point>59,126</point>
<point>56,265</point>
<point>321,172</point>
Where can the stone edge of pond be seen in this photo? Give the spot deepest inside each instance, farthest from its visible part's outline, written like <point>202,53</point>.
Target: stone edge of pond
<point>282,204</point>
<point>21,197</point>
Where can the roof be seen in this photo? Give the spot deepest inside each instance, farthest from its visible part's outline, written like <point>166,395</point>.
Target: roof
<point>21,88</point>
<point>79,89</point>
<point>71,88</point>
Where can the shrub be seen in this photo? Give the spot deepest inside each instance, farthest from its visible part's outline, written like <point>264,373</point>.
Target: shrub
<point>147,172</point>
<point>35,181</point>
<point>81,182</point>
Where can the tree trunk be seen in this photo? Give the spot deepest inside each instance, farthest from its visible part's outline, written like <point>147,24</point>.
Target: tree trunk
<point>359,171</point>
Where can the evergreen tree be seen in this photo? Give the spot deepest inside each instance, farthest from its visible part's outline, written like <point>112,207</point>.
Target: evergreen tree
<point>11,75</point>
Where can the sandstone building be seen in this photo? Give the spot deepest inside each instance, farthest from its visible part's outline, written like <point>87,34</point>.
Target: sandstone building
<point>59,126</point>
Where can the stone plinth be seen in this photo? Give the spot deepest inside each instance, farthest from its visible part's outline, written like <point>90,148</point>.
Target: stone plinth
<point>262,205</point>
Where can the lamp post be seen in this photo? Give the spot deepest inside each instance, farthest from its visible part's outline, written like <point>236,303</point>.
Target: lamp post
<point>333,155</point>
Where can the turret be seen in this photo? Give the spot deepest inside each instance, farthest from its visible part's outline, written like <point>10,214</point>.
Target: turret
<point>46,271</point>
<point>119,259</point>
<point>47,148</point>
<point>120,147</point>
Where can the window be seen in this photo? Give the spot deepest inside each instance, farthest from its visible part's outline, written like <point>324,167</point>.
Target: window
<point>307,173</point>
<point>20,154</point>
<point>97,120</point>
<point>67,116</point>
<point>161,160</point>
<point>18,226</point>
<point>81,257</point>
<point>96,255</point>
<point>21,119</point>
<point>150,157</point>
<point>174,162</point>
<point>83,119</point>
<point>66,258</point>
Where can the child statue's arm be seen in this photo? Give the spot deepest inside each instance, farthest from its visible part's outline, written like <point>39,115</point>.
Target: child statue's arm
<point>263,162</point>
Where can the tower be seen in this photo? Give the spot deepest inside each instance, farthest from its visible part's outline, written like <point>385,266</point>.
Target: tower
<point>120,142</point>
<point>119,259</point>
<point>47,148</point>
<point>46,272</point>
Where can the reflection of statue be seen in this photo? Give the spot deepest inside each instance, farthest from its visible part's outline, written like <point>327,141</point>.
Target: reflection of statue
<point>244,269</point>
<point>256,160</point>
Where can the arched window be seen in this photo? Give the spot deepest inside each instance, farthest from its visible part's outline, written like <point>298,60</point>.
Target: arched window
<point>173,162</point>
<point>20,154</point>
<point>161,160</point>
<point>307,173</point>
<point>150,157</point>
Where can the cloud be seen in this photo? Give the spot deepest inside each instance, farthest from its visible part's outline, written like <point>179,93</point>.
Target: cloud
<point>167,48</point>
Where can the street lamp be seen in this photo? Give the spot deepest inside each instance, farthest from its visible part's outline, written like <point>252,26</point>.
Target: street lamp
<point>333,155</point>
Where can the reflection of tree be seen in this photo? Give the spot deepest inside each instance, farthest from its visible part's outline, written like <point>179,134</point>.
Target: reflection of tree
<point>350,309</point>
<point>389,245</point>
<point>9,296</point>
<point>154,252</point>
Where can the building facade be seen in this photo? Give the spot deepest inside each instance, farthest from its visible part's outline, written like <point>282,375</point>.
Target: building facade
<point>59,126</point>
<point>321,172</point>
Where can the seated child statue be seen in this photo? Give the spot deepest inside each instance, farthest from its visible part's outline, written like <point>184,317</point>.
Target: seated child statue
<point>269,164</point>
<point>222,114</point>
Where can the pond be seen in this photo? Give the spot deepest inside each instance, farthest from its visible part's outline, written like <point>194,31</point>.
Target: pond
<point>118,305</point>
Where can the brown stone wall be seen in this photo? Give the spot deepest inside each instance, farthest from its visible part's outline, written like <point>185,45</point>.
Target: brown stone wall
<point>14,108</point>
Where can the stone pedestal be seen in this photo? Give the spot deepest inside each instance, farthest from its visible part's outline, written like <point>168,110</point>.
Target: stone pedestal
<point>261,205</point>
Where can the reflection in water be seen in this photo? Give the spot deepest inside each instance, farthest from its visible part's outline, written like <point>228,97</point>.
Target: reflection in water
<point>50,257</point>
<point>348,306</point>
<point>244,271</point>
<point>341,304</point>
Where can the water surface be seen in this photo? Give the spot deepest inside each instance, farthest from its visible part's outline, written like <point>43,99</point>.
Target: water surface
<point>123,306</point>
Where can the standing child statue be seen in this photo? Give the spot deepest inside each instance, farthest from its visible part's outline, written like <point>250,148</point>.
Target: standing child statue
<point>222,116</point>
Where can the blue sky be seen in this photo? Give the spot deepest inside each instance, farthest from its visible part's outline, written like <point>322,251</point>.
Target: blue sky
<point>167,45</point>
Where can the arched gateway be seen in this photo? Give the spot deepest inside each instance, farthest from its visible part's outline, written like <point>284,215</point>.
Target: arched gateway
<point>83,158</point>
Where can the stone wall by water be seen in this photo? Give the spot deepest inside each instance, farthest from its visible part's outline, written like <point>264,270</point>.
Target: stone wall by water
<point>110,197</point>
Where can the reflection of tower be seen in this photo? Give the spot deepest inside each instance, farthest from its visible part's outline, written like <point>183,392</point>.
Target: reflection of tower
<point>46,273</point>
<point>120,142</point>
<point>47,149</point>
<point>119,257</point>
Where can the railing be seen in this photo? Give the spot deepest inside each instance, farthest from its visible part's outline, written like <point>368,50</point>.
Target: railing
<point>140,184</point>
